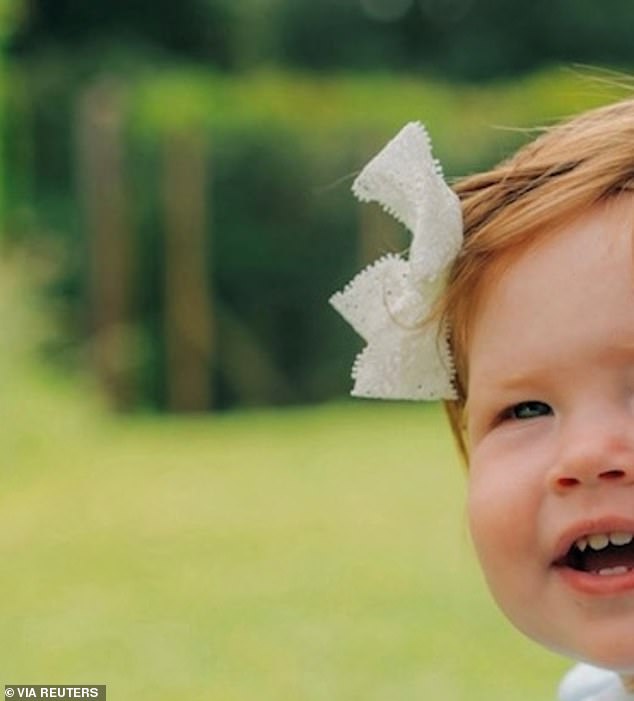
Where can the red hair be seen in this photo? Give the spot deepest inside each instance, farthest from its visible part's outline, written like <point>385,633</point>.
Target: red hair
<point>548,182</point>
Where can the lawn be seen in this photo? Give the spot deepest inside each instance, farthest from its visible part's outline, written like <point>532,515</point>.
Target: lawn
<point>315,554</point>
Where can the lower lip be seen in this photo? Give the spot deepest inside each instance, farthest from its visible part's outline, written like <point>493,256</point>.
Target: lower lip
<point>597,584</point>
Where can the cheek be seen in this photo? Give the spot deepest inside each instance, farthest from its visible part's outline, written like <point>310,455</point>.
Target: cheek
<point>487,510</point>
<point>505,508</point>
<point>502,520</point>
<point>493,523</point>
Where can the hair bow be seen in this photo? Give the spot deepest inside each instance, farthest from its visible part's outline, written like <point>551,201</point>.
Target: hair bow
<point>407,356</point>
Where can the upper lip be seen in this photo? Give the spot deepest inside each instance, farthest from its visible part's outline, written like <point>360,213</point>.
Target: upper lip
<point>605,524</point>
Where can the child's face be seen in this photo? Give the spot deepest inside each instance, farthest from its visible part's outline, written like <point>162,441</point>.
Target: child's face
<point>551,431</point>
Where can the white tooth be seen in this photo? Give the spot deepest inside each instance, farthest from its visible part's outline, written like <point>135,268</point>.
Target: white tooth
<point>598,541</point>
<point>607,571</point>
<point>620,538</point>
<point>582,544</point>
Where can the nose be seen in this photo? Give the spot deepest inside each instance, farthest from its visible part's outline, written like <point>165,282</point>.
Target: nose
<point>594,453</point>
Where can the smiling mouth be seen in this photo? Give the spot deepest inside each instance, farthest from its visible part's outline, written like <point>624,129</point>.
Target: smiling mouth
<point>603,554</point>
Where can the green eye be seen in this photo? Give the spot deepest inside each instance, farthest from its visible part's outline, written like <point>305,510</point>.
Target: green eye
<point>529,410</point>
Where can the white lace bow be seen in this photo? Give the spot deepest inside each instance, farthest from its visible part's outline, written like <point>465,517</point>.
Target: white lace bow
<point>388,304</point>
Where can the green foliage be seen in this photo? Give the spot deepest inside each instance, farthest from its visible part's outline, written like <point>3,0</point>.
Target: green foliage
<point>190,29</point>
<point>283,228</point>
<point>12,13</point>
<point>458,39</point>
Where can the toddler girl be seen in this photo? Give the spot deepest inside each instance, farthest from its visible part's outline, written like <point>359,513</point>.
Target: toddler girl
<point>516,305</point>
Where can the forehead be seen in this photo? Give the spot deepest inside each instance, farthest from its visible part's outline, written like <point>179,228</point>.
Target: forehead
<point>546,295</point>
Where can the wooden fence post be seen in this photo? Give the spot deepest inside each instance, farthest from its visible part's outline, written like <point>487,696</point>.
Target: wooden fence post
<point>188,308</point>
<point>103,193</point>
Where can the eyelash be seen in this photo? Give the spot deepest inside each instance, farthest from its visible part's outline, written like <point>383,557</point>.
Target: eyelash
<point>534,407</point>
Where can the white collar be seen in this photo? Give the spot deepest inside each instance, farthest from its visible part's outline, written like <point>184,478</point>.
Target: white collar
<point>587,683</point>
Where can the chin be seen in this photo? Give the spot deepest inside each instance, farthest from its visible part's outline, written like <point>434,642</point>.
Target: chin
<point>621,661</point>
<point>608,643</point>
<point>615,655</point>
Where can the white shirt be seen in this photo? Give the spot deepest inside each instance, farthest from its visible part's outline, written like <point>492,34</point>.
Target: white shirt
<point>586,683</point>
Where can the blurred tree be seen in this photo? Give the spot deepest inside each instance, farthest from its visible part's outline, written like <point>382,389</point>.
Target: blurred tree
<point>198,30</point>
<point>10,16</point>
<point>11,12</point>
<point>330,34</point>
<point>463,39</point>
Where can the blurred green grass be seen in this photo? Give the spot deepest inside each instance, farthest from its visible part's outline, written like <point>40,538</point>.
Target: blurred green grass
<point>299,554</point>
<point>308,554</point>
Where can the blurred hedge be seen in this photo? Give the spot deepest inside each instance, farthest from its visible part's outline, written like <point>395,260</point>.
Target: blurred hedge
<point>281,150</point>
<point>461,39</point>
